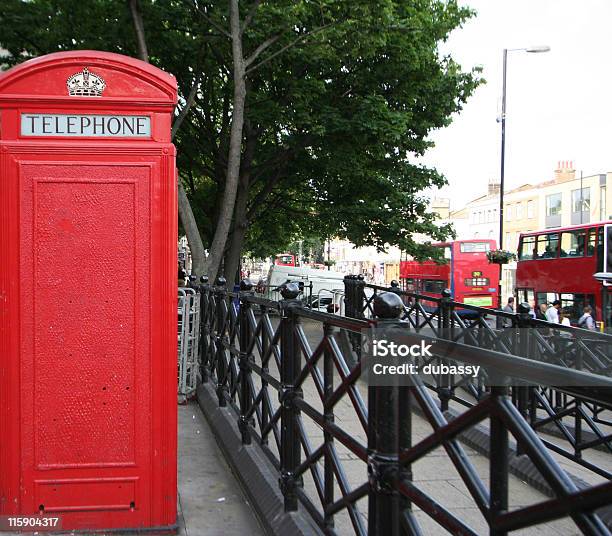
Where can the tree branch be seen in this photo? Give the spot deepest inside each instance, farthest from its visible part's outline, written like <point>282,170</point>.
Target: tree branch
<point>139,30</point>
<point>268,42</point>
<point>188,104</point>
<point>249,16</point>
<point>289,45</point>
<point>205,16</point>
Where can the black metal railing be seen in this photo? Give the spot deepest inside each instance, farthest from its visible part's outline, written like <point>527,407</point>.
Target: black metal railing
<point>568,424</point>
<point>292,376</point>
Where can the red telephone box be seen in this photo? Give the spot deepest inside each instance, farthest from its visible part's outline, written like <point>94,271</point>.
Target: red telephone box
<point>88,247</point>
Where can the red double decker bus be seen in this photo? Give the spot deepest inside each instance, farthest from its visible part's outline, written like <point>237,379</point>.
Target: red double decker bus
<point>560,264</point>
<point>466,272</point>
<point>285,259</point>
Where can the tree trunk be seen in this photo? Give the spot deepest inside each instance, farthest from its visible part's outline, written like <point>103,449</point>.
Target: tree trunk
<point>194,239</point>
<point>139,30</point>
<point>184,208</point>
<point>232,258</point>
<point>235,149</point>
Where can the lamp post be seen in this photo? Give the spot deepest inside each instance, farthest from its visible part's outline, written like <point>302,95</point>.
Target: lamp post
<point>532,50</point>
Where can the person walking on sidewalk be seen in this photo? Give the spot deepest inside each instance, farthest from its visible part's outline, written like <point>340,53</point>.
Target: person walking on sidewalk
<point>586,320</point>
<point>552,313</point>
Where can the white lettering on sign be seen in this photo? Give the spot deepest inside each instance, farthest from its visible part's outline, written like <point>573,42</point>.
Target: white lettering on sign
<point>114,126</point>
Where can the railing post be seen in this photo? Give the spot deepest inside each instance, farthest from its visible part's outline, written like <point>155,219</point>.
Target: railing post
<point>578,409</point>
<point>220,295</point>
<point>328,413</point>
<point>204,328</point>
<point>265,369</point>
<point>384,506</point>
<point>354,286</point>
<point>444,324</point>
<point>523,321</point>
<point>360,286</point>
<point>349,296</point>
<point>290,367</point>
<point>498,460</point>
<point>245,361</point>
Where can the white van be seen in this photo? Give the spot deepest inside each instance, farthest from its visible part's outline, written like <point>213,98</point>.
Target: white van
<point>319,285</point>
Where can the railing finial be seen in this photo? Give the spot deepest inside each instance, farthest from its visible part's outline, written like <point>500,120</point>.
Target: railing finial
<point>388,306</point>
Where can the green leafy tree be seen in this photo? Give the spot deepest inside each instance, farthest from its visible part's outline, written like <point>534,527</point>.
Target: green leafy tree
<point>295,117</point>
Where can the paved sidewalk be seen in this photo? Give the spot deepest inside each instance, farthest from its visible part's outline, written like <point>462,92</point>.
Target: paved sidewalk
<point>210,499</point>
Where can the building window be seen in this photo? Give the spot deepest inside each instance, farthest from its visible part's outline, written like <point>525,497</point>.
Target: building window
<point>489,215</point>
<point>519,211</point>
<point>602,202</point>
<point>553,204</point>
<point>530,209</point>
<point>508,212</point>
<point>581,202</point>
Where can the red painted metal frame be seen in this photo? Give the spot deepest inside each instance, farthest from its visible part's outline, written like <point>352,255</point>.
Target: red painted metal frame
<point>102,451</point>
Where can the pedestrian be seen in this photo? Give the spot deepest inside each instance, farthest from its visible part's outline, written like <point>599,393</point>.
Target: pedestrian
<point>541,311</point>
<point>564,316</point>
<point>586,320</point>
<point>532,308</point>
<point>182,276</point>
<point>564,340</point>
<point>552,313</point>
<point>508,308</point>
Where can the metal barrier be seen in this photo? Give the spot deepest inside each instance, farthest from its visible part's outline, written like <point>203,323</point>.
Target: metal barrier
<point>569,425</point>
<point>255,359</point>
<point>188,341</point>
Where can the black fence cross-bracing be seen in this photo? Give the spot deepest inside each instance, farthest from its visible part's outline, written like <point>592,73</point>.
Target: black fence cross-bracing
<point>452,455</point>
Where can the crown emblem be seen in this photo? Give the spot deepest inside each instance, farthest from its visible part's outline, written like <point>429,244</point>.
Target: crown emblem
<point>85,84</point>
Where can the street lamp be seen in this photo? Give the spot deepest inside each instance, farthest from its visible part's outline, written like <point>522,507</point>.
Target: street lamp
<point>532,50</point>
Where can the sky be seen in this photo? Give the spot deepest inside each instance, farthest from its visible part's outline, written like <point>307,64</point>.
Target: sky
<point>558,104</point>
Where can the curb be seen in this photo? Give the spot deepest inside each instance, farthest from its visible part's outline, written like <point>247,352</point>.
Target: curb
<point>254,471</point>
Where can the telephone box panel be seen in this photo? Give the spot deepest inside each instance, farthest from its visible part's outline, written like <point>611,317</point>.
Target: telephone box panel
<point>88,292</point>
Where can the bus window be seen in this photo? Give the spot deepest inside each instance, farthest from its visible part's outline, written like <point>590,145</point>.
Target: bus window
<point>609,249</point>
<point>525,295</point>
<point>547,246</point>
<point>606,309</point>
<point>592,238</point>
<point>575,303</point>
<point>433,286</point>
<point>546,297</point>
<point>526,248</point>
<point>474,247</point>
<point>572,243</point>
<point>600,249</point>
